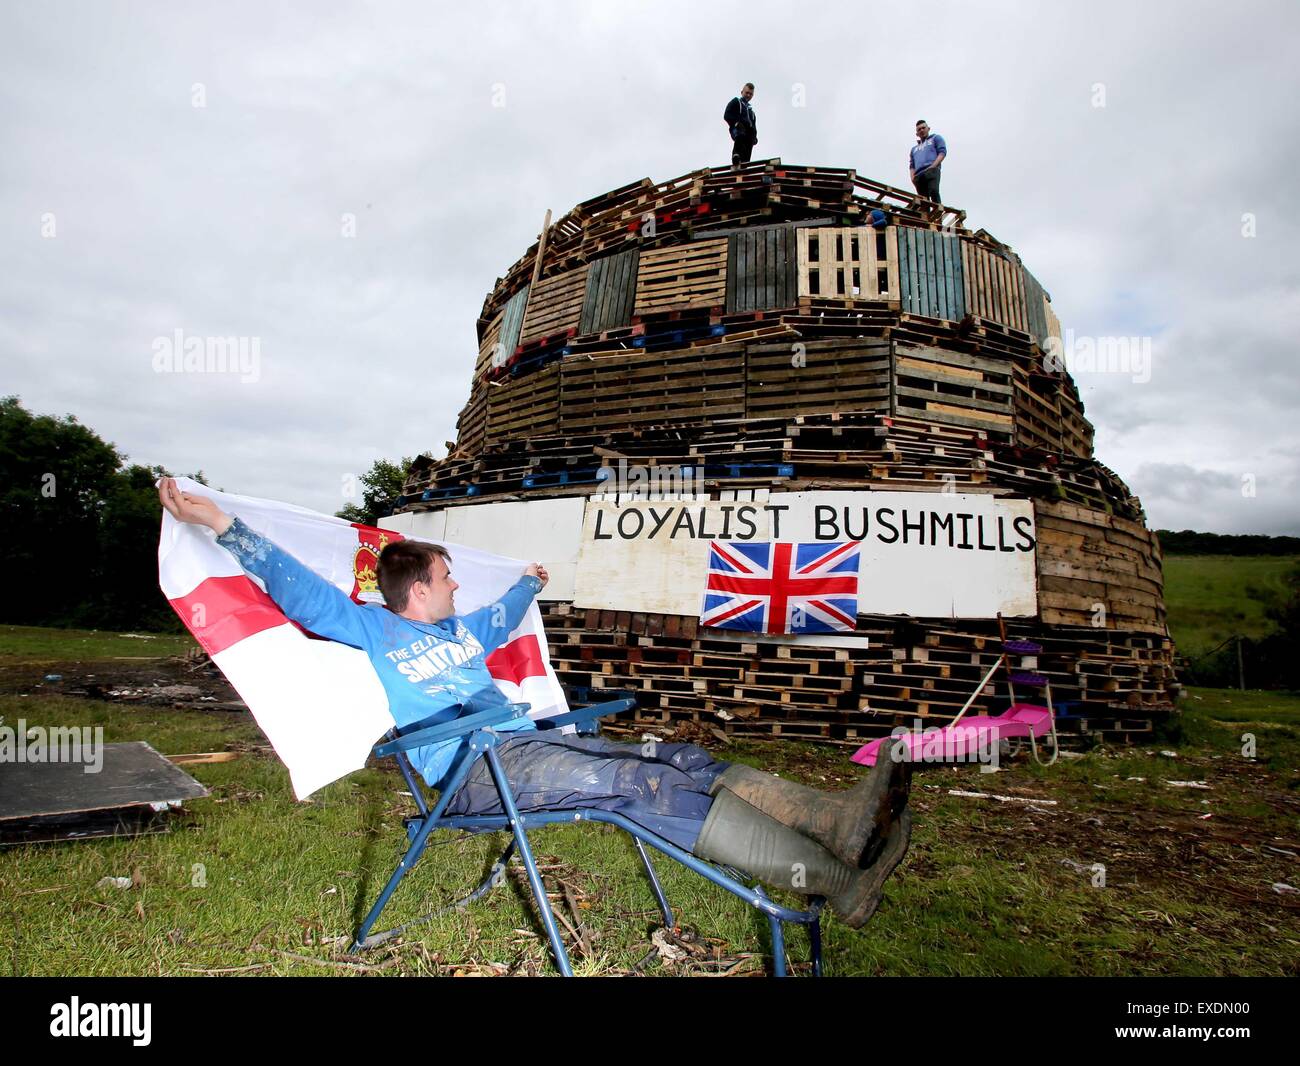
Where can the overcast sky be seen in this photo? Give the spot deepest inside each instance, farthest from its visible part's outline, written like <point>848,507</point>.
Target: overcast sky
<point>192,167</point>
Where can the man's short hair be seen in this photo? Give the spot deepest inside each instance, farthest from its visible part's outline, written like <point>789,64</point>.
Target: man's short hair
<point>748,85</point>
<point>402,564</point>
<point>922,122</point>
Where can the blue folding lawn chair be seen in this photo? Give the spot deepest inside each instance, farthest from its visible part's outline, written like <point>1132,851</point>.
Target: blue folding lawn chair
<point>478,727</point>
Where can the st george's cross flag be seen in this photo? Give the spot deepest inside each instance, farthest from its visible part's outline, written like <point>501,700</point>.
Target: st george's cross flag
<point>319,702</point>
<point>780,587</point>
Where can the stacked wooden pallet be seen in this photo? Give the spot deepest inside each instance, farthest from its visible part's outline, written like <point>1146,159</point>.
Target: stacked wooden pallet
<point>814,188</point>
<point>849,263</point>
<point>530,405</point>
<point>954,388</point>
<point>829,361</point>
<point>751,322</point>
<point>993,287</point>
<point>1048,412</point>
<point>611,391</point>
<point>1110,682</point>
<point>555,305</point>
<point>1076,430</point>
<point>682,276</point>
<point>1097,569</point>
<point>823,449</point>
<point>814,376</point>
<point>790,375</point>
<point>471,424</point>
<point>489,348</point>
<point>799,283</point>
<point>645,214</point>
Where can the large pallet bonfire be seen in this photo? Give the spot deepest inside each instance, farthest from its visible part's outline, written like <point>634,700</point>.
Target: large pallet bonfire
<point>799,340</point>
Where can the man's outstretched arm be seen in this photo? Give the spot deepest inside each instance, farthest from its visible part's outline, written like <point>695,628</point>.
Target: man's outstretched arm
<point>495,622</point>
<point>300,592</point>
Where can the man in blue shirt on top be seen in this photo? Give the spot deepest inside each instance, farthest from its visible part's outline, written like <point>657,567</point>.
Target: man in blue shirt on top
<point>431,661</point>
<point>926,157</point>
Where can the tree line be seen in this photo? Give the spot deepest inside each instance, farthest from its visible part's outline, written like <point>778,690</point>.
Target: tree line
<point>79,525</point>
<point>1189,542</point>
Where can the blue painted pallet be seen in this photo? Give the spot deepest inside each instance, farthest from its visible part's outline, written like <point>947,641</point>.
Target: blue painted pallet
<point>449,494</point>
<point>1035,308</point>
<point>738,470</point>
<point>930,274</point>
<point>563,477</point>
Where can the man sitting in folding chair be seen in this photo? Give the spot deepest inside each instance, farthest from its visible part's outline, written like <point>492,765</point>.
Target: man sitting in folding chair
<point>841,846</point>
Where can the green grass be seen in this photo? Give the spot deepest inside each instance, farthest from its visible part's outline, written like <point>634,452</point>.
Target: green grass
<point>984,890</point>
<point>33,644</point>
<point>1208,596</point>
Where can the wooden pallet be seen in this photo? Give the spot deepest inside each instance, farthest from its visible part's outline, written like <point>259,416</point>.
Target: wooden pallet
<point>761,269</point>
<point>488,352</point>
<point>817,376</point>
<point>930,274</point>
<point>993,285</point>
<point>713,199</point>
<point>611,289</point>
<point>646,387</point>
<point>918,669</point>
<point>831,448</point>
<point>512,320</point>
<point>1036,301</point>
<point>555,305</point>
<point>849,263</point>
<point>529,406</point>
<point>952,388</point>
<point>682,276</point>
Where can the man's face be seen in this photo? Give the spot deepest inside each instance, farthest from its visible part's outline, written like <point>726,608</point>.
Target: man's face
<point>922,131</point>
<point>747,93</point>
<point>438,599</point>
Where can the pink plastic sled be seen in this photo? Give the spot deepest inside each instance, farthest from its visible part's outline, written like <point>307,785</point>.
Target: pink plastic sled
<point>962,740</point>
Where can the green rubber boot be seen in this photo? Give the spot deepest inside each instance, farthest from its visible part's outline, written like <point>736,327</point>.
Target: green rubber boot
<point>738,834</point>
<point>852,825</point>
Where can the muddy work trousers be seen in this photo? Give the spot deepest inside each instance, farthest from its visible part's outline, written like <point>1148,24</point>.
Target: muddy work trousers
<point>663,787</point>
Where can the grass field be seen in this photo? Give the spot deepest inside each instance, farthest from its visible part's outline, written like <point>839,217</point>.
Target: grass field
<point>251,882</point>
<point>33,644</point>
<point>1209,596</point>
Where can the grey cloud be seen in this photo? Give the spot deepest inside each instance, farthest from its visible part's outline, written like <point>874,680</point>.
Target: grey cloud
<point>226,220</point>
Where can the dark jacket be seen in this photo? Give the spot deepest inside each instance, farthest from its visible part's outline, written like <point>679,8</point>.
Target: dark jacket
<point>742,120</point>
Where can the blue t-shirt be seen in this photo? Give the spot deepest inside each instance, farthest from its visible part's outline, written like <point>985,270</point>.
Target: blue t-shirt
<point>427,668</point>
<point>925,153</point>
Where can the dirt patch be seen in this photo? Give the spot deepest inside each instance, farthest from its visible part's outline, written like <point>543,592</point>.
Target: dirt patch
<point>180,681</point>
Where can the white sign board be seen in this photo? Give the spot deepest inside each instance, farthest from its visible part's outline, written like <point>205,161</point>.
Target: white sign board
<point>923,554</point>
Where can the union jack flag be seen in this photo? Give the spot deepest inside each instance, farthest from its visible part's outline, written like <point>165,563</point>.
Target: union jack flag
<point>782,587</point>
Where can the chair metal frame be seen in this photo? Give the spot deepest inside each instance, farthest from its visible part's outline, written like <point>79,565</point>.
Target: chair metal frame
<point>479,729</point>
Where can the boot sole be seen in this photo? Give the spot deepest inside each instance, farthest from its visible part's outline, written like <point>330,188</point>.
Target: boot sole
<point>858,844</point>
<point>890,801</point>
<point>856,907</point>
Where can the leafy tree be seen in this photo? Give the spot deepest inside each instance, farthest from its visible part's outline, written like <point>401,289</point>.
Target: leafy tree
<point>381,485</point>
<point>127,581</point>
<point>53,476</point>
<point>80,529</point>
